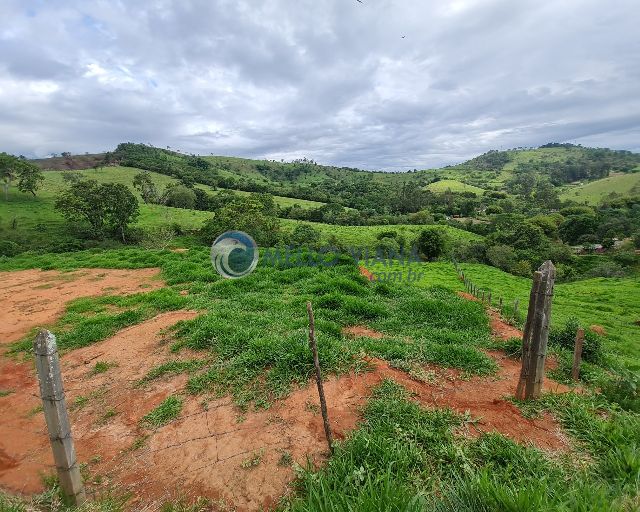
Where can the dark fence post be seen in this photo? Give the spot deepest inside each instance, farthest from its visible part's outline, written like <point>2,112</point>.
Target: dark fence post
<point>536,333</point>
<point>577,354</point>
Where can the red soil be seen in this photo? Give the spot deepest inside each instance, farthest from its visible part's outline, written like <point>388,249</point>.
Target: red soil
<point>35,298</point>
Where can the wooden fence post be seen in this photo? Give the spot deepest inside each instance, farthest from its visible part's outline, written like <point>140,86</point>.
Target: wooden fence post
<point>500,306</point>
<point>536,333</point>
<point>515,310</point>
<point>489,299</point>
<point>577,354</point>
<point>483,296</point>
<point>55,413</point>
<point>316,363</point>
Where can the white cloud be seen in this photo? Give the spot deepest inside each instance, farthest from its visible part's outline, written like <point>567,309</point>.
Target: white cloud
<point>333,80</point>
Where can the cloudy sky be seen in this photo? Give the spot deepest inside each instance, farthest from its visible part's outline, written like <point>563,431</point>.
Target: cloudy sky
<point>382,84</point>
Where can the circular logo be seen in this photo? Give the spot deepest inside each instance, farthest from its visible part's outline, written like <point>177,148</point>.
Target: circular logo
<point>234,254</point>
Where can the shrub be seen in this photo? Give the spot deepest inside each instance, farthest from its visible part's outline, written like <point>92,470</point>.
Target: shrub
<point>305,235</point>
<point>592,350</point>
<point>431,243</point>
<point>624,390</point>
<point>501,256</point>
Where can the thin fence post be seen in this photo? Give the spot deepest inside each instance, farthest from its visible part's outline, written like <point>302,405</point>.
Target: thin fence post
<point>483,296</point>
<point>489,299</point>
<point>500,306</point>
<point>55,413</point>
<point>316,364</point>
<point>577,354</point>
<point>516,316</point>
<point>536,333</point>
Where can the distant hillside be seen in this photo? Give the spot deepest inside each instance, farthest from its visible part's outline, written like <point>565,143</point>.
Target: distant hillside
<point>67,161</point>
<point>563,165</point>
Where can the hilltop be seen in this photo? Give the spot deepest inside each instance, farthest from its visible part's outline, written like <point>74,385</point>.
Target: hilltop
<point>567,167</point>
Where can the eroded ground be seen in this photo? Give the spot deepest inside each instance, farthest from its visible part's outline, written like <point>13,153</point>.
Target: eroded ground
<point>212,449</point>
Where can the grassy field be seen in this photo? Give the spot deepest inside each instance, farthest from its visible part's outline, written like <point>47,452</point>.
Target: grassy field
<point>366,236</point>
<point>250,342</point>
<point>613,303</point>
<point>593,193</point>
<point>453,186</point>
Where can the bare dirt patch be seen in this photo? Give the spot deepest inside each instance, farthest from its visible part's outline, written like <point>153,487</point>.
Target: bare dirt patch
<point>35,298</point>
<point>598,329</point>
<point>366,273</point>
<point>362,330</point>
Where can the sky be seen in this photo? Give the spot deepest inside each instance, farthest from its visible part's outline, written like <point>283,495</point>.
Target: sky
<point>377,84</point>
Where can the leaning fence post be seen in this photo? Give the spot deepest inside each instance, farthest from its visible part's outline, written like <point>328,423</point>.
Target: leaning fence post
<point>536,333</point>
<point>55,413</point>
<point>316,363</point>
<point>577,354</point>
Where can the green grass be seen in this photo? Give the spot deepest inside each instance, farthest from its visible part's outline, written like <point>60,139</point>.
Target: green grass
<point>613,303</point>
<point>360,237</point>
<point>593,193</point>
<point>168,410</point>
<point>453,186</point>
<point>404,457</point>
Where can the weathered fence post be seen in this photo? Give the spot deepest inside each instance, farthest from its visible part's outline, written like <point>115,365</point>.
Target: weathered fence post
<point>515,310</point>
<point>55,413</point>
<point>316,363</point>
<point>577,354</point>
<point>500,306</point>
<point>536,333</point>
<point>489,299</point>
<point>483,296</point>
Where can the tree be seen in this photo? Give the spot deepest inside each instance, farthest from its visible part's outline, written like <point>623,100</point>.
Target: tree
<point>143,183</point>
<point>121,207</point>
<point>179,196</point>
<point>248,214</point>
<point>575,227</point>
<point>431,243</point>
<point>106,207</point>
<point>28,175</point>
<point>305,235</point>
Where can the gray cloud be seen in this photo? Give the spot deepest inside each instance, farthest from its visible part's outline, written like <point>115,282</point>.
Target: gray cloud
<point>331,80</point>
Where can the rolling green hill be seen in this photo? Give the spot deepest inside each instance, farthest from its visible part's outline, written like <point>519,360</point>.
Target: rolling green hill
<point>620,185</point>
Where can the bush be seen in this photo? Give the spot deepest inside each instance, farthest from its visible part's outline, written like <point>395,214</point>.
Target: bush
<point>606,269</point>
<point>624,390</point>
<point>502,256</point>
<point>387,248</point>
<point>8,248</point>
<point>305,235</point>
<point>431,243</point>
<point>592,350</point>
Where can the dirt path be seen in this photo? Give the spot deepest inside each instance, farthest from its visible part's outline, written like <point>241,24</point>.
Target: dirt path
<point>35,298</point>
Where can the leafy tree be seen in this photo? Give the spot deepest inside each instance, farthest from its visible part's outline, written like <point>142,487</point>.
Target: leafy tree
<point>143,183</point>
<point>502,256</point>
<point>305,235</point>
<point>431,243</point>
<point>14,168</point>
<point>576,227</point>
<point>121,207</point>
<point>248,214</point>
<point>106,207</point>
<point>179,196</point>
